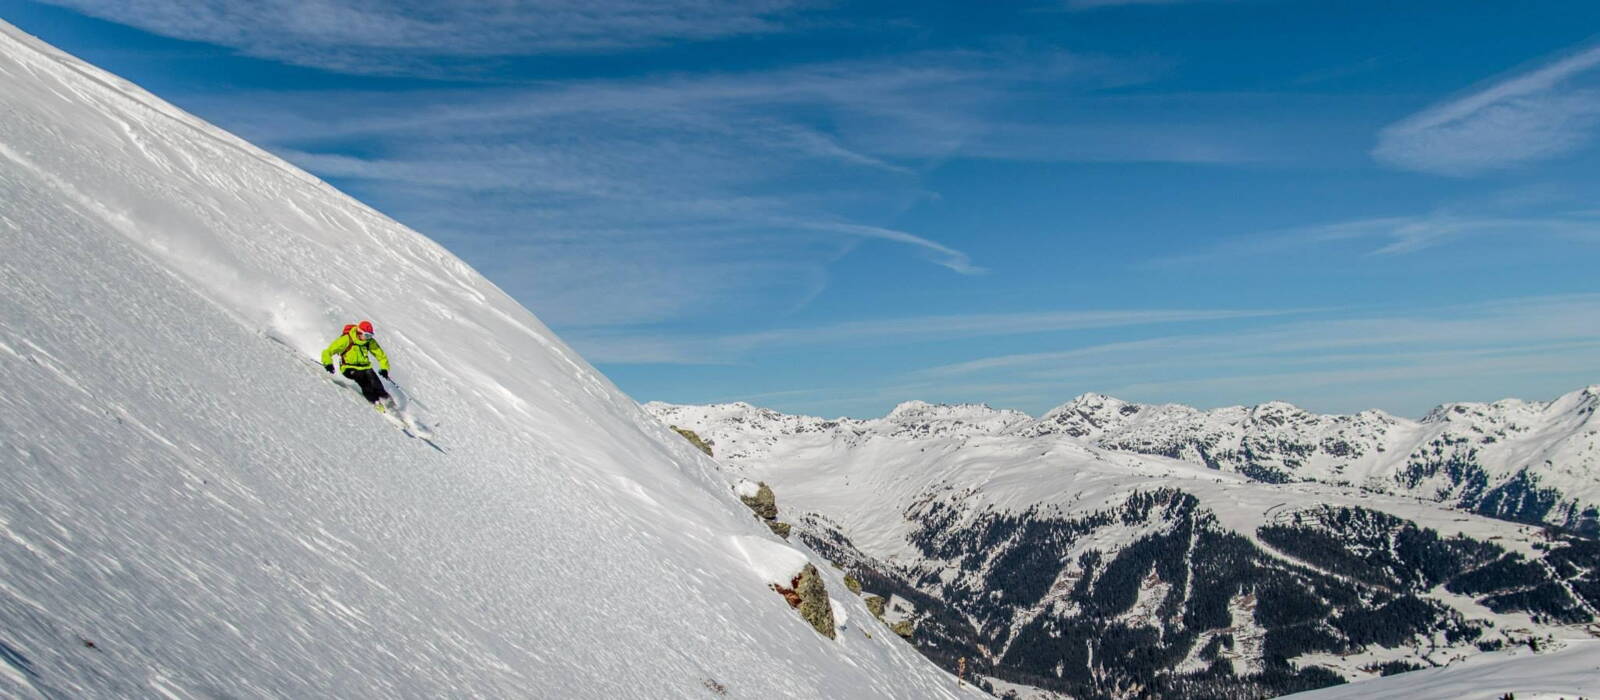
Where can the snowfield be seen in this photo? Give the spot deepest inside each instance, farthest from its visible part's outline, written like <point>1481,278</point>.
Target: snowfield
<point>191,508</point>
<point>1569,674</point>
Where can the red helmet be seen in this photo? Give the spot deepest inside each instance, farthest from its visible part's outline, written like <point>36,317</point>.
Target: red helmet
<point>365,326</point>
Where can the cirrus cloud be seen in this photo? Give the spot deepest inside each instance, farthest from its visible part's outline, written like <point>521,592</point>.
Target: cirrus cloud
<point>399,36</point>
<point>1537,115</point>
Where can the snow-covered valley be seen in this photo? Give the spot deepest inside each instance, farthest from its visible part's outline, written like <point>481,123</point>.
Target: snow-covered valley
<point>1054,554</point>
<point>192,509</point>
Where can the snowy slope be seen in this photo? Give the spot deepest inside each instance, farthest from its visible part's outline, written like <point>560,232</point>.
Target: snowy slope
<point>192,509</point>
<point>1029,546</point>
<point>1568,674</point>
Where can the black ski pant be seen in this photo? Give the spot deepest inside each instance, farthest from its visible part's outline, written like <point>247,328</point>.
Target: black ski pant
<point>371,385</point>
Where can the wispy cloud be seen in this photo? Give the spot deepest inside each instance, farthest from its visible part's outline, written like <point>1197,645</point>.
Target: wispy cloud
<point>910,106</point>
<point>1404,362</point>
<point>1401,383</point>
<point>408,36</point>
<point>942,255</point>
<point>626,347</point>
<point>1537,115</point>
<point>641,200</point>
<point>647,198</point>
<point>1399,235</point>
<point>1507,323</point>
<point>1399,360</point>
<point>1391,369</point>
<point>1096,4</point>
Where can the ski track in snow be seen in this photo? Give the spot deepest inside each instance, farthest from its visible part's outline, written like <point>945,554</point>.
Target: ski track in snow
<point>191,511</point>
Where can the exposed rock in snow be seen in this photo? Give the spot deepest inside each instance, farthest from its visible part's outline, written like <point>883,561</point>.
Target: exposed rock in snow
<point>815,606</point>
<point>693,439</point>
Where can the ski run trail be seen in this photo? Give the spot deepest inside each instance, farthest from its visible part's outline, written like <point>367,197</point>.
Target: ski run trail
<point>190,509</point>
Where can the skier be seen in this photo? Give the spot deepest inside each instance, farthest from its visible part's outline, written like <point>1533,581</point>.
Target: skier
<point>356,348</point>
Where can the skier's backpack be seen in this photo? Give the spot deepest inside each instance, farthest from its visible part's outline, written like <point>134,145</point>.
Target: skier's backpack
<point>347,328</point>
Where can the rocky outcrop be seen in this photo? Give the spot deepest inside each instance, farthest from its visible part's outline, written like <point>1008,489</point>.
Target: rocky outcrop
<point>876,604</point>
<point>760,499</point>
<point>694,439</point>
<point>814,605</point>
<point>763,502</point>
<point>809,595</point>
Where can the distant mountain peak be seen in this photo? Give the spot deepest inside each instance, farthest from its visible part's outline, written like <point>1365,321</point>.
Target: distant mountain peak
<point>1525,460</point>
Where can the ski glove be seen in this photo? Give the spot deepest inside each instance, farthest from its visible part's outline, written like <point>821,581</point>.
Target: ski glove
<point>329,368</point>
<point>383,373</point>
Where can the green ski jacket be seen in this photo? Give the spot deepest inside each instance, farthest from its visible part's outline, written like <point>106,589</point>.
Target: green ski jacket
<point>356,353</point>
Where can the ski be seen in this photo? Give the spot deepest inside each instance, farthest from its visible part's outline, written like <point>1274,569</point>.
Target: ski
<point>395,413</point>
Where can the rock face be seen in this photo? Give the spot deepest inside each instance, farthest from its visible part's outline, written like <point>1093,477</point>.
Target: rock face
<point>764,503</point>
<point>876,604</point>
<point>809,595</point>
<point>693,439</point>
<point>814,605</point>
<point>760,500</point>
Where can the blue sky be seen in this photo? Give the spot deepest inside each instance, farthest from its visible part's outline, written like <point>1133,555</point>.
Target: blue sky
<point>832,207</point>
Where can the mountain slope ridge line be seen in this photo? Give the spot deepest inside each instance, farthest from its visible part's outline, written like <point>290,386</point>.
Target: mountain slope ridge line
<point>1523,461</point>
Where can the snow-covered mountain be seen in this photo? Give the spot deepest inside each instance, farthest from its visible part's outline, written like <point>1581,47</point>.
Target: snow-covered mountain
<point>1534,462</point>
<point>1519,460</point>
<point>1073,554</point>
<point>192,509</point>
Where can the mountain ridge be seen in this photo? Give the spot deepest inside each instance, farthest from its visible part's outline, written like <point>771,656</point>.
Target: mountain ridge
<point>1528,461</point>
